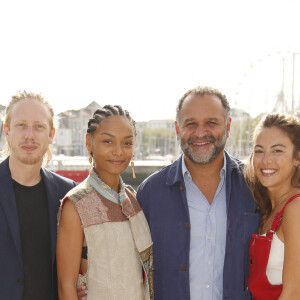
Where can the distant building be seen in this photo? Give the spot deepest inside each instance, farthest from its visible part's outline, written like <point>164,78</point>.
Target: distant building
<point>70,135</point>
<point>239,142</point>
<point>156,139</point>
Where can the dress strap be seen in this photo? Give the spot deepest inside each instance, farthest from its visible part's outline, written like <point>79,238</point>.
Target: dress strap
<point>278,218</point>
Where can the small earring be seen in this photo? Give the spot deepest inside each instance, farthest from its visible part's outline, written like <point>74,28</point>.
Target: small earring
<point>91,158</point>
<point>132,168</point>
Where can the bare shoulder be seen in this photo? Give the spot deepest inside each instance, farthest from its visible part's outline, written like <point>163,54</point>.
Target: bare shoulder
<point>293,208</point>
<point>291,214</point>
<point>68,212</point>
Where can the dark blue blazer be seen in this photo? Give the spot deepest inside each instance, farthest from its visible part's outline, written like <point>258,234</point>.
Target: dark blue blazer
<point>162,197</point>
<point>11,264</point>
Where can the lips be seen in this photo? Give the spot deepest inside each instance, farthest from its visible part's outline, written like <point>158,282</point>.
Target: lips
<point>201,142</point>
<point>116,162</point>
<point>29,147</point>
<point>268,172</point>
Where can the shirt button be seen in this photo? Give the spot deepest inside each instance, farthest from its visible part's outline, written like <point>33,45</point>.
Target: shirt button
<point>19,281</point>
<point>209,213</point>
<point>187,225</point>
<point>181,188</point>
<point>184,268</point>
<point>209,262</point>
<point>209,237</point>
<point>207,286</point>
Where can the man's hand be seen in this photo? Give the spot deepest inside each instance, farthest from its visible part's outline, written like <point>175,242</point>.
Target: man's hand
<point>82,292</point>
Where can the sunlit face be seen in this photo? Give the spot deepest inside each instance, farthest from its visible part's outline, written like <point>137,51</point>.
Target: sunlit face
<point>273,158</point>
<point>112,147</point>
<point>28,134</point>
<point>202,128</point>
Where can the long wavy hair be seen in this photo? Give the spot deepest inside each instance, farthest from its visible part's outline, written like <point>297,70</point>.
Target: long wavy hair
<point>289,125</point>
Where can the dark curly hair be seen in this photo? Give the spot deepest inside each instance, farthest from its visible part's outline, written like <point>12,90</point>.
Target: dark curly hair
<point>107,111</point>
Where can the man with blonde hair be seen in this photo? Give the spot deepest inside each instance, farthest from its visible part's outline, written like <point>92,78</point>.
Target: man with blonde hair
<point>29,201</point>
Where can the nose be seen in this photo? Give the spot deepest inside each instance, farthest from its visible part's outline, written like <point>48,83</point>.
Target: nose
<point>117,150</point>
<point>200,131</point>
<point>29,132</point>
<point>267,158</point>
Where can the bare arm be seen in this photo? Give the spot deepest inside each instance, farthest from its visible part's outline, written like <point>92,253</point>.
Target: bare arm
<point>291,267</point>
<point>68,251</point>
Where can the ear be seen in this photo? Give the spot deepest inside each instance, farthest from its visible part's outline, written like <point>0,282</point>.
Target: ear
<point>6,130</point>
<point>228,127</point>
<point>88,142</point>
<point>297,160</point>
<point>51,135</point>
<point>177,130</point>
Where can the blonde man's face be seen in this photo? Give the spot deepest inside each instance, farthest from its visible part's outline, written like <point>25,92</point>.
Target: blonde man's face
<point>28,133</point>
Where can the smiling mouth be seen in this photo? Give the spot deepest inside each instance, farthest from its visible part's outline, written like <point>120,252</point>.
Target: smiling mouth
<point>200,144</point>
<point>268,171</point>
<point>204,141</point>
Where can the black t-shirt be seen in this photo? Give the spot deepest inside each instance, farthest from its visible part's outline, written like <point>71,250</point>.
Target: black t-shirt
<point>32,207</point>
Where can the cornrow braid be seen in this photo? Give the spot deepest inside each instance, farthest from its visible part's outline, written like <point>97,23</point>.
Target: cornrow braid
<point>105,112</point>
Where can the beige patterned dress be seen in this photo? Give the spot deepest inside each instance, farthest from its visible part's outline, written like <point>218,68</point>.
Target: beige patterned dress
<point>119,244</point>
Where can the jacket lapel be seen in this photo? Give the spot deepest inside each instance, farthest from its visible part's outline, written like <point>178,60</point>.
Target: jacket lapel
<point>8,203</point>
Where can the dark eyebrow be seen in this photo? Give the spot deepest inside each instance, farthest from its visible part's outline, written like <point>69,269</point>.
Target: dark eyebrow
<point>111,135</point>
<point>213,119</point>
<point>208,119</point>
<point>106,133</point>
<point>188,120</point>
<point>273,146</point>
<point>278,145</point>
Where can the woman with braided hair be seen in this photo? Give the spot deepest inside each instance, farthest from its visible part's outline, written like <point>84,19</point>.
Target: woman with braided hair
<point>103,233</point>
<point>273,173</point>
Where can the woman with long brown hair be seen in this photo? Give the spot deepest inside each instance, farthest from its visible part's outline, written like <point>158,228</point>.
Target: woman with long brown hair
<point>273,173</point>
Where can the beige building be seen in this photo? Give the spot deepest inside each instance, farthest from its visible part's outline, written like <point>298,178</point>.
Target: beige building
<point>70,135</point>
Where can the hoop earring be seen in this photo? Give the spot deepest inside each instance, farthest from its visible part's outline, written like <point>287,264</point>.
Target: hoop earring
<point>132,168</point>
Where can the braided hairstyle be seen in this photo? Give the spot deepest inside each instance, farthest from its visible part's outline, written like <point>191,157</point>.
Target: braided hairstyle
<point>105,112</point>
